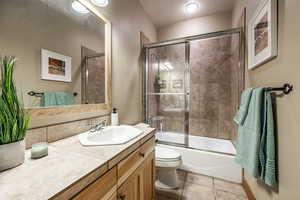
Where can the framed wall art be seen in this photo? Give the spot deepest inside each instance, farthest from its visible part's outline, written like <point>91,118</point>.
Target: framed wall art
<point>55,66</point>
<point>262,34</point>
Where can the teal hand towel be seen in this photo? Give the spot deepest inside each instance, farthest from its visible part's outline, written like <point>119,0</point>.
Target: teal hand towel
<point>64,98</point>
<point>48,99</point>
<point>240,116</point>
<point>249,134</point>
<point>267,144</point>
<point>57,99</point>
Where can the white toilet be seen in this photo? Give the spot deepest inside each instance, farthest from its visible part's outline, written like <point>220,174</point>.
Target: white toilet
<point>167,162</point>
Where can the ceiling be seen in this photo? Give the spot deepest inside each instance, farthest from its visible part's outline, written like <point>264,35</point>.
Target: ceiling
<point>165,12</point>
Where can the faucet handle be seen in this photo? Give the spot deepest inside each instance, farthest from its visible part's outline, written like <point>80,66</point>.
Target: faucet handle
<point>104,123</point>
<point>150,118</point>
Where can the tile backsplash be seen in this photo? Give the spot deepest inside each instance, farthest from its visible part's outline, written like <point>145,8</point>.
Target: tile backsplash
<point>35,136</point>
<point>53,133</point>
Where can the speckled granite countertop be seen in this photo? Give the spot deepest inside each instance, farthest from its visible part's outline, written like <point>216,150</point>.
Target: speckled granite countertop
<point>67,162</point>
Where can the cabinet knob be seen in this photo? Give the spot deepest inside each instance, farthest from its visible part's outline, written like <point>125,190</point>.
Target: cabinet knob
<point>142,154</point>
<point>122,197</point>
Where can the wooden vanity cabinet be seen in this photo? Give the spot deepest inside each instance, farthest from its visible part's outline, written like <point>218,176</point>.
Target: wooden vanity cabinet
<point>131,179</point>
<point>147,173</point>
<point>140,184</point>
<point>102,188</point>
<point>130,188</point>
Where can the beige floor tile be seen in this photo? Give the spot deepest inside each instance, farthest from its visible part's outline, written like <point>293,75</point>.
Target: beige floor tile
<point>182,175</point>
<point>222,195</point>
<point>199,179</point>
<point>197,192</point>
<point>167,197</point>
<point>229,187</point>
<point>175,194</point>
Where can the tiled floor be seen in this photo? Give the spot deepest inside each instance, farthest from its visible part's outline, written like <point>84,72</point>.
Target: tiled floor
<point>200,187</point>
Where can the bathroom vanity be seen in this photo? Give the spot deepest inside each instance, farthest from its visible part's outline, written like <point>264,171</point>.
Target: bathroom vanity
<point>131,179</point>
<point>72,171</point>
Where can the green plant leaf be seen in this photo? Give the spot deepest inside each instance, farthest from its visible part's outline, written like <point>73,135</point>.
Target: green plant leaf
<point>13,118</point>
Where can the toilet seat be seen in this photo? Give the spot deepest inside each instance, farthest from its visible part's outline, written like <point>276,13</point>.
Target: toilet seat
<point>166,154</point>
<point>166,157</point>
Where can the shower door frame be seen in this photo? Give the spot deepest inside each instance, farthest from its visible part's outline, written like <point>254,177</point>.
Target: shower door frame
<point>186,41</point>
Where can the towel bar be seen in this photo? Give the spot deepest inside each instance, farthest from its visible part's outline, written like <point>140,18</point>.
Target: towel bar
<point>286,89</point>
<point>40,94</point>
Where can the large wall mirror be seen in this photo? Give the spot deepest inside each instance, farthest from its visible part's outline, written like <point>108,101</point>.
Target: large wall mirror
<point>62,50</point>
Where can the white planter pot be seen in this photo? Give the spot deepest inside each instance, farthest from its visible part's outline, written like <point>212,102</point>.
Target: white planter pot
<point>11,155</point>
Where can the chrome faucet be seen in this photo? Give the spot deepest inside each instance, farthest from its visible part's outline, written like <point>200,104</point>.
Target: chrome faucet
<point>99,127</point>
<point>149,120</point>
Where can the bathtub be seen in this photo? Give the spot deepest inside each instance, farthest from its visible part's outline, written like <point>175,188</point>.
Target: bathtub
<point>208,156</point>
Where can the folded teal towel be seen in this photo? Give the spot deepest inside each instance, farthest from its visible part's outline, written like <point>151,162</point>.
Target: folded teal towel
<point>240,116</point>
<point>249,134</point>
<point>57,99</point>
<point>267,144</point>
<point>64,98</point>
<point>48,99</point>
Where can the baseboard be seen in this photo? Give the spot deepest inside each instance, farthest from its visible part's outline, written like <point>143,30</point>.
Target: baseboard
<point>248,190</point>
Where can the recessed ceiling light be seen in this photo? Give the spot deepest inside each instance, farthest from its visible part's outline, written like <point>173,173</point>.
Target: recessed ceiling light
<point>191,7</point>
<point>101,3</point>
<point>78,7</point>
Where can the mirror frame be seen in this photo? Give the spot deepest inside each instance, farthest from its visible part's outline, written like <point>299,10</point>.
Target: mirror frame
<point>42,117</point>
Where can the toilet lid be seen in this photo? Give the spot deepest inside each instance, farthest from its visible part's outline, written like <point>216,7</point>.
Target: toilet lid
<point>162,153</point>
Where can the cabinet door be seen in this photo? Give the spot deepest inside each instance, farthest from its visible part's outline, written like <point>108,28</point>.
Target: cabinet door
<point>147,174</point>
<point>102,188</point>
<point>113,197</point>
<point>130,190</point>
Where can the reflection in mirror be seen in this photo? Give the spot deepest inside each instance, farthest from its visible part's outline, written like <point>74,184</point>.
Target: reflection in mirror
<point>93,71</point>
<point>60,51</point>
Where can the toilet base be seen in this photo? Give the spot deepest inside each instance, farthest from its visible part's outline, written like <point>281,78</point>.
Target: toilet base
<point>167,178</point>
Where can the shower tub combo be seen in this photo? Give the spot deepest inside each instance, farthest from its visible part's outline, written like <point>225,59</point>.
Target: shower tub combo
<point>191,88</point>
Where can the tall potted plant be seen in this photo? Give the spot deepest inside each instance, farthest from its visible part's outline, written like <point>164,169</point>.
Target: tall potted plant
<point>13,118</point>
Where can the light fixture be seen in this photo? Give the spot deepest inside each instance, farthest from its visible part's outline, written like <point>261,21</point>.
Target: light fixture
<point>100,3</point>
<point>191,7</point>
<point>78,7</point>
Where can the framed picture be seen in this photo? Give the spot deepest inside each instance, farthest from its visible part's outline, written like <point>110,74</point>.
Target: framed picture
<point>262,34</point>
<point>55,66</point>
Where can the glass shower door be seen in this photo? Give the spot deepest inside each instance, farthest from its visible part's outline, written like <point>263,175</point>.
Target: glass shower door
<point>166,92</point>
<point>215,87</point>
<point>192,89</point>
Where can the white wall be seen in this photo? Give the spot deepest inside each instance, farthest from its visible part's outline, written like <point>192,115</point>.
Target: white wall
<point>285,68</point>
<point>196,26</point>
<point>128,19</point>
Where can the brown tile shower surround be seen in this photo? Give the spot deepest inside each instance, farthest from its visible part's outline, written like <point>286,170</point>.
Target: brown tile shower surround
<point>168,106</point>
<point>237,85</point>
<point>214,65</point>
<point>200,187</point>
<point>211,105</point>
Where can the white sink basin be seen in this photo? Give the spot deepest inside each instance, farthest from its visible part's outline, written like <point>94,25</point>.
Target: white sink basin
<point>110,135</point>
